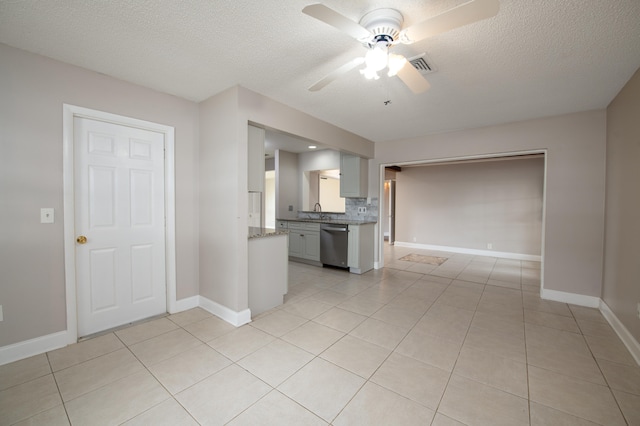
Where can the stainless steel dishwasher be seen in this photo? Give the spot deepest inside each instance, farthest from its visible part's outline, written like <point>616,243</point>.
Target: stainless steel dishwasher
<point>334,243</point>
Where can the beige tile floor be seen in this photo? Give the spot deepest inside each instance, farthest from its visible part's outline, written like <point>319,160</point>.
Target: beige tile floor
<point>468,342</point>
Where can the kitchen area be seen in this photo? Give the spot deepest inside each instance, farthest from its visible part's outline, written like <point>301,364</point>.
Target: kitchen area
<point>312,198</point>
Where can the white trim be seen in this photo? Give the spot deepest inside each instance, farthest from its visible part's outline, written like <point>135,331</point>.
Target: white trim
<point>31,347</point>
<point>623,333</point>
<point>501,254</point>
<point>68,114</point>
<point>185,304</point>
<point>571,298</point>
<point>230,316</point>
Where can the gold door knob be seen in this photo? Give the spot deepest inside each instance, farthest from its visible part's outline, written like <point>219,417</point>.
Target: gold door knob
<point>81,239</point>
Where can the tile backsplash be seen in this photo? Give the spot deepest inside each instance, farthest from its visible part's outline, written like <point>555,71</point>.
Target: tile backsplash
<point>351,211</point>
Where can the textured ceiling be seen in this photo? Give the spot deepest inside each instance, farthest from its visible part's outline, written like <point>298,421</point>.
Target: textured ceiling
<point>535,58</point>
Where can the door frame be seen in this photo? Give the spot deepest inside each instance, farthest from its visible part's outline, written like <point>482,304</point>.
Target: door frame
<point>69,113</point>
<point>381,178</point>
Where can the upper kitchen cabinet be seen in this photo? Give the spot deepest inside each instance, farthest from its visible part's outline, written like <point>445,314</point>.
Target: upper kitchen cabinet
<point>353,176</point>
<point>256,159</point>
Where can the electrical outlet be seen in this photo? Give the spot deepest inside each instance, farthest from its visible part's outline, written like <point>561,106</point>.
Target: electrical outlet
<point>414,239</point>
<point>362,210</point>
<point>46,215</point>
<point>489,246</point>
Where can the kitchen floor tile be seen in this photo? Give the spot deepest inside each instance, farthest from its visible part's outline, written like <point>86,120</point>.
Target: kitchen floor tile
<point>145,331</point>
<point>313,337</point>
<point>308,308</point>
<point>621,377</point>
<point>496,371</point>
<point>630,406</point>
<point>221,397</point>
<point>577,397</point>
<point>476,404</point>
<point>241,342</point>
<point>379,333</point>
<point>23,371</point>
<point>277,409</point>
<point>414,343</point>
<point>187,317</point>
<point>93,374</point>
<point>567,362</point>
<point>610,349</point>
<point>83,351</point>
<point>279,323</point>
<point>542,415</point>
<point>546,319</point>
<point>357,356</point>
<point>361,305</point>
<point>168,413</point>
<point>118,401</point>
<point>275,362</point>
<point>189,367</point>
<point>340,319</point>
<point>163,347</point>
<point>25,400</point>
<point>432,350</point>
<point>504,345</point>
<point>441,420</point>
<point>209,328</point>
<point>333,387</point>
<point>374,405</point>
<point>56,416</point>
<point>412,379</point>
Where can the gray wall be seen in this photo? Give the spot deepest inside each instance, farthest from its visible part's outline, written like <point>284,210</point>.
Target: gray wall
<point>33,90</point>
<point>575,183</point>
<point>469,205</point>
<point>287,185</point>
<point>621,286</point>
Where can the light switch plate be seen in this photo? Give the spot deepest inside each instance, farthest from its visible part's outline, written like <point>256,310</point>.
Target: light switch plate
<point>47,215</point>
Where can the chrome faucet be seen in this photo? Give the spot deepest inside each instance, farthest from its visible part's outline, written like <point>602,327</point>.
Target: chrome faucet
<point>318,208</point>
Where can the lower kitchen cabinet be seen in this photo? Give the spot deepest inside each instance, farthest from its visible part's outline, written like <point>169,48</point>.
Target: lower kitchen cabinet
<point>304,240</point>
<point>360,249</point>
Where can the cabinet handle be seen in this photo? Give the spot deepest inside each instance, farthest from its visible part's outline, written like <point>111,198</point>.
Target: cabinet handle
<point>302,235</point>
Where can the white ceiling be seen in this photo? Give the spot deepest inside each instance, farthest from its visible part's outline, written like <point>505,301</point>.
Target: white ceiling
<point>535,58</point>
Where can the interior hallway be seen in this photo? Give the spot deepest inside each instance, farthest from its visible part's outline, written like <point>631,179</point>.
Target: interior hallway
<point>466,342</point>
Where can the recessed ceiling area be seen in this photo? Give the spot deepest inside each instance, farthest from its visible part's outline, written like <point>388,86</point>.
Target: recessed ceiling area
<point>533,59</point>
<point>274,140</point>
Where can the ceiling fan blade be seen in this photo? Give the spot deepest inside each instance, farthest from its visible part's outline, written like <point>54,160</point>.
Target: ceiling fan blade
<point>336,73</point>
<point>466,13</point>
<point>412,78</point>
<point>336,20</point>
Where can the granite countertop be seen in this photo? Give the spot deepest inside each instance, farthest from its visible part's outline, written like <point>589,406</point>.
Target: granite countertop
<point>256,232</point>
<point>332,221</point>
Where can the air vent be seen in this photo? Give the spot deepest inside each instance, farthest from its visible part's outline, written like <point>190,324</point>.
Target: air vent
<point>421,65</point>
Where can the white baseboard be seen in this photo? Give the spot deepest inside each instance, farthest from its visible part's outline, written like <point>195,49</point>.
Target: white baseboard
<point>572,298</point>
<point>477,252</point>
<point>627,338</point>
<point>31,347</point>
<point>232,317</point>
<point>186,304</point>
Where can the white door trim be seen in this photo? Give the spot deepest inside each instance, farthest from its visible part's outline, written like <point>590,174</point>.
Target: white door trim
<point>69,112</point>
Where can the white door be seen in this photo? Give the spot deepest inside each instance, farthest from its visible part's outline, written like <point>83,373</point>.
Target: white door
<point>119,209</point>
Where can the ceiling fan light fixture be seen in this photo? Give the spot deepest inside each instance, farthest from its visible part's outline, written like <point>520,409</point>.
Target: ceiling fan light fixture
<point>376,58</point>
<point>395,64</point>
<point>369,74</point>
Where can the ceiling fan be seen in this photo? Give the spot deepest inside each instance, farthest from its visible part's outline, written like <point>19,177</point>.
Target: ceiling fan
<point>381,29</point>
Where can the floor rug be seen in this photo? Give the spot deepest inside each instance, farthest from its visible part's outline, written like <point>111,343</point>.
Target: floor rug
<point>419,258</point>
